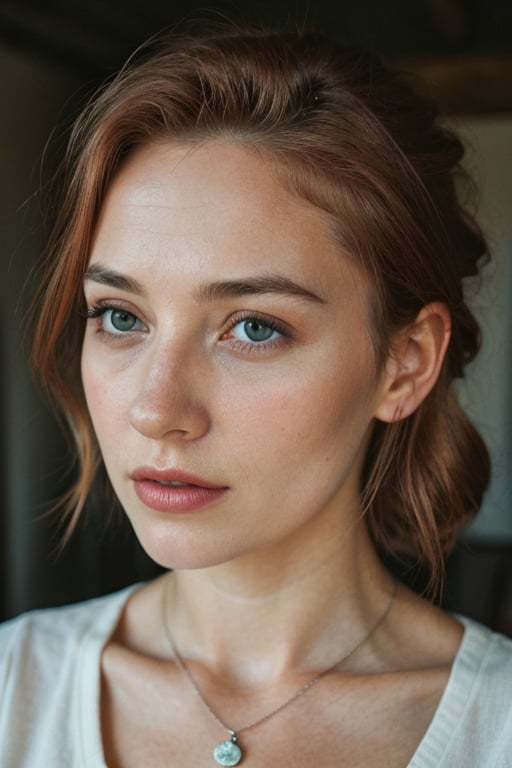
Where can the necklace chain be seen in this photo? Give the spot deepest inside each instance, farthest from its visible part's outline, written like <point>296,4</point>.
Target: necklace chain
<point>301,691</point>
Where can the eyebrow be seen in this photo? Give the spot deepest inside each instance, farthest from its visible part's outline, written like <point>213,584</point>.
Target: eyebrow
<point>209,292</point>
<point>260,284</point>
<point>100,274</point>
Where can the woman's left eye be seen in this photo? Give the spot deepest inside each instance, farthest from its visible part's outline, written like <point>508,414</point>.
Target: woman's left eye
<point>256,330</point>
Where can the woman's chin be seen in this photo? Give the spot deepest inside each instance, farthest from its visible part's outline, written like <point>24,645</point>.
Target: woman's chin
<point>180,551</point>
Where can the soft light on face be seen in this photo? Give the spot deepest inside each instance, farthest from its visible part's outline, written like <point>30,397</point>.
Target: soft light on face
<point>228,339</point>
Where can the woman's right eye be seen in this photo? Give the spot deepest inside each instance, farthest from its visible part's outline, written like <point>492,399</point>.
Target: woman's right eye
<point>116,321</point>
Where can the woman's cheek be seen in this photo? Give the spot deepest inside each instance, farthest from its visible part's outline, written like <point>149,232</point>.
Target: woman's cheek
<point>105,399</point>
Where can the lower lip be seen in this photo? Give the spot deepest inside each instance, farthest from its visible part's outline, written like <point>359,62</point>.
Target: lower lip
<point>169,498</point>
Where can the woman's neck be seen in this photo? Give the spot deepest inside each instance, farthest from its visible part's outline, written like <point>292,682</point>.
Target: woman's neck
<point>270,616</point>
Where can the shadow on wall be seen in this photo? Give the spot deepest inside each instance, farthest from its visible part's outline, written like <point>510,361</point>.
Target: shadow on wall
<point>31,444</point>
<point>479,583</point>
<point>487,392</point>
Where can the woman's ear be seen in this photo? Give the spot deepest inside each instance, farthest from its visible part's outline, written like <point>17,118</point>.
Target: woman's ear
<point>413,365</point>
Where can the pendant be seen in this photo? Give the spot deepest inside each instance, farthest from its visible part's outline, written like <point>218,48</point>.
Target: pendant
<point>228,752</point>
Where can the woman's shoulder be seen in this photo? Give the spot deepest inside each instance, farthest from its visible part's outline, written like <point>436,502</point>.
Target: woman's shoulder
<point>49,633</point>
<point>485,657</point>
<point>49,679</point>
<point>473,723</point>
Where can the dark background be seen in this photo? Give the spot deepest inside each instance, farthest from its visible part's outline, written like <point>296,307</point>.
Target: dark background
<point>463,47</point>
<point>53,55</point>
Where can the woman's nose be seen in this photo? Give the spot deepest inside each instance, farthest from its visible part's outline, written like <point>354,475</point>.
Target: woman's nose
<point>168,398</point>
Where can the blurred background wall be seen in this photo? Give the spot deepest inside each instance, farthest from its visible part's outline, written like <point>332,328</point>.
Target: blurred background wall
<point>51,58</point>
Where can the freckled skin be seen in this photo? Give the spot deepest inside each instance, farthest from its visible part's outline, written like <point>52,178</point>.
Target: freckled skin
<point>285,425</point>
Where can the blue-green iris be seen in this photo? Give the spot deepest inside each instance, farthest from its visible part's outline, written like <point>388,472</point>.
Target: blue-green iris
<point>257,331</point>
<point>122,321</point>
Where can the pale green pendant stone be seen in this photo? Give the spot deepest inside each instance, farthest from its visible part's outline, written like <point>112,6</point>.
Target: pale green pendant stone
<point>227,753</point>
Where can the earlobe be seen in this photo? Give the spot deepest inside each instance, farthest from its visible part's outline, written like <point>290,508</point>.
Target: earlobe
<point>414,363</point>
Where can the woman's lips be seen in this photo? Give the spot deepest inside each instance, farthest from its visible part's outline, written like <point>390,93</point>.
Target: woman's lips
<point>174,490</point>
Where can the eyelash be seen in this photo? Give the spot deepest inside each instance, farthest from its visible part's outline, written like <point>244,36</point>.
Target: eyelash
<point>100,308</point>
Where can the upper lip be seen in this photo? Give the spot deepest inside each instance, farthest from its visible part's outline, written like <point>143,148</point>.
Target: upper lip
<point>172,475</point>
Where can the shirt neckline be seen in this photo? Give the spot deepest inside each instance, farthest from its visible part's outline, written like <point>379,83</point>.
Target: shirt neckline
<point>428,754</point>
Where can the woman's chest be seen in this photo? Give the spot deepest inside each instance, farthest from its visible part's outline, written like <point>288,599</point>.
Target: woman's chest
<point>338,724</point>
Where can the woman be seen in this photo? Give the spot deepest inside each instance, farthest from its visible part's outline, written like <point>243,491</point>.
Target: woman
<point>253,313</point>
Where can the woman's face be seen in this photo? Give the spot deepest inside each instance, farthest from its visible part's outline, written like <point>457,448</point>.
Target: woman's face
<point>227,361</point>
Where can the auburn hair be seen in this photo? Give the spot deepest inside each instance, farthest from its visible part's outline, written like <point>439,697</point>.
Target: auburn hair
<point>350,137</point>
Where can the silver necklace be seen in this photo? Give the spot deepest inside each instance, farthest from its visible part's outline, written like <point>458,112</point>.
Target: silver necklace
<point>229,752</point>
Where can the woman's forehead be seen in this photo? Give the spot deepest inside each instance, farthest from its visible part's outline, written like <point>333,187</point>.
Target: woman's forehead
<point>217,206</point>
<point>192,177</point>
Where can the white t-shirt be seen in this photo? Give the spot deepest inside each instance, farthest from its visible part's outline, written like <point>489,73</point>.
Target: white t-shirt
<point>50,690</point>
